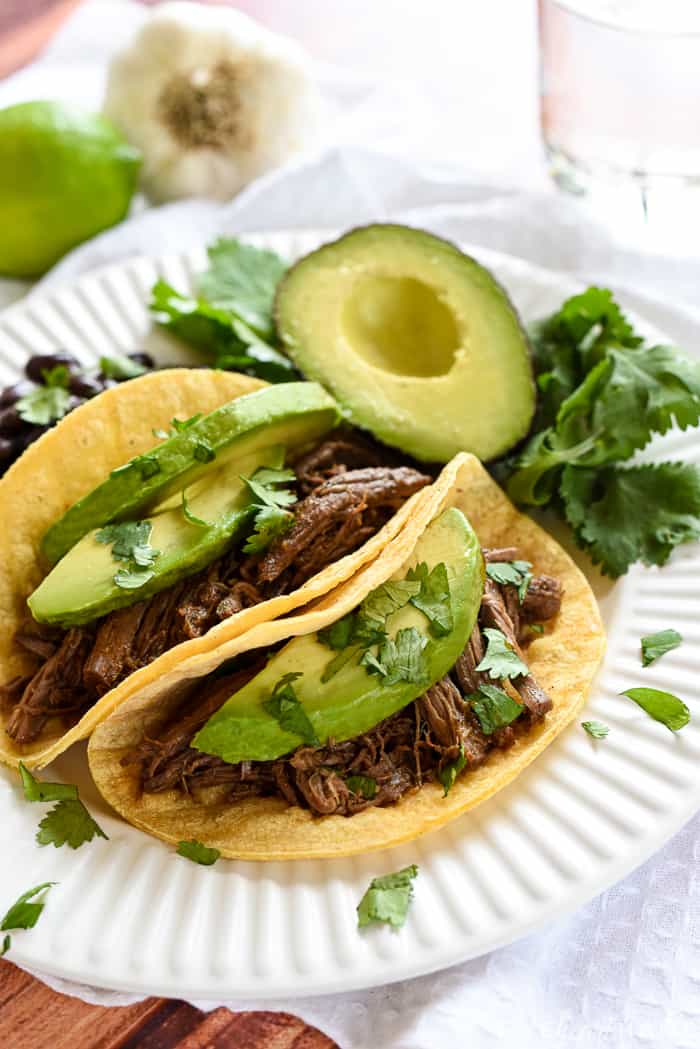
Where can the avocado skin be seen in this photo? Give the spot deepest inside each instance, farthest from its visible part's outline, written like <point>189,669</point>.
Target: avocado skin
<point>424,417</point>
<point>353,701</point>
<point>229,430</point>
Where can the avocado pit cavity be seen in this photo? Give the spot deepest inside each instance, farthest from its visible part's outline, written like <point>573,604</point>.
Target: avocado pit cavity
<point>400,325</point>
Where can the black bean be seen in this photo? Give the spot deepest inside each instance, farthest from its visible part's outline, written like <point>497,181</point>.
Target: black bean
<point>43,362</point>
<point>85,385</point>
<point>8,451</point>
<point>142,358</point>
<point>11,422</point>
<point>11,394</point>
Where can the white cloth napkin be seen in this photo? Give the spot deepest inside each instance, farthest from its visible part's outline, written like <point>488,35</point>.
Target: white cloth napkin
<point>624,971</point>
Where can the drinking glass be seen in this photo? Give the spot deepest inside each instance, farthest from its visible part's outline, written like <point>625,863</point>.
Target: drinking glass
<point>620,108</point>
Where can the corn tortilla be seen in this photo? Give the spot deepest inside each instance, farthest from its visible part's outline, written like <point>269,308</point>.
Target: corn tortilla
<point>65,464</point>
<point>564,660</point>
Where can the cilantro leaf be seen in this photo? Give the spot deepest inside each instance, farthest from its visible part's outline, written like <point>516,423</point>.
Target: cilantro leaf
<point>400,658</point>
<point>243,280</point>
<point>269,523</point>
<point>596,729</point>
<point>366,786</point>
<point>511,573</point>
<point>536,628</point>
<point>656,645</point>
<point>286,708</point>
<point>48,403</point>
<point>37,790</point>
<point>130,544</point>
<point>120,367</point>
<point>387,898</point>
<point>270,519</point>
<point>433,598</point>
<point>639,513</point>
<point>500,659</point>
<point>228,342</point>
<point>340,660</point>
<point>198,853</point>
<point>68,822</point>
<point>189,516</point>
<point>24,914</point>
<point>6,944</point>
<point>339,634</point>
<point>661,706</point>
<point>389,598</point>
<point>494,708</point>
<point>449,773</point>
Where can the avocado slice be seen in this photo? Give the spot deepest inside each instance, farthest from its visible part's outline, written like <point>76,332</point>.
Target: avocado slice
<point>353,700</point>
<point>292,414</point>
<point>81,587</point>
<point>416,341</point>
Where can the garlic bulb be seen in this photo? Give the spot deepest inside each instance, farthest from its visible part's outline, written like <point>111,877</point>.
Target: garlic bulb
<point>211,98</point>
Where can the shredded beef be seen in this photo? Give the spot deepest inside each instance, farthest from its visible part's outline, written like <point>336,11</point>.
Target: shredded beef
<point>542,600</point>
<point>340,451</point>
<point>334,520</point>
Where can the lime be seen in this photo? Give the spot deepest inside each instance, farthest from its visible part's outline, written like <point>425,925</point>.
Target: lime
<point>64,176</point>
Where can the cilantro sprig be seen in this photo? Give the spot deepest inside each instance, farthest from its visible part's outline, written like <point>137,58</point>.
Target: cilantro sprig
<point>285,706</point>
<point>24,912</point>
<point>494,708</point>
<point>68,822</point>
<point>603,394</point>
<point>48,403</point>
<point>500,659</point>
<point>198,853</point>
<point>271,498</point>
<point>131,546</point>
<point>387,899</point>
<point>511,573</point>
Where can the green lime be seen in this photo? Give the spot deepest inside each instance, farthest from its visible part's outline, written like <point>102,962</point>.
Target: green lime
<point>64,176</point>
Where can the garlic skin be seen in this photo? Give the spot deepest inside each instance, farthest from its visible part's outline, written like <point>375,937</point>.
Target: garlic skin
<point>211,98</point>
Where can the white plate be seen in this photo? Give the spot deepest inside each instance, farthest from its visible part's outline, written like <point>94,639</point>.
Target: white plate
<point>130,914</point>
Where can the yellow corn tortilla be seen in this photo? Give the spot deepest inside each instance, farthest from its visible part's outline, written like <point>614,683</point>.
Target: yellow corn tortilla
<point>564,661</point>
<point>65,464</point>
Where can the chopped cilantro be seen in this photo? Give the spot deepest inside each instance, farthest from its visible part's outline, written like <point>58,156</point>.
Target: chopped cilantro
<point>147,465</point>
<point>511,573</point>
<point>286,708</point>
<point>389,598</point>
<point>433,598</point>
<point>36,790</point>
<point>494,708</point>
<point>661,706</point>
<point>387,898</point>
<point>339,634</point>
<point>119,366</point>
<point>25,912</point>
<point>271,519</point>
<point>363,785</point>
<point>130,544</point>
<point>177,426</point>
<point>6,944</point>
<point>536,628</point>
<point>449,773</point>
<point>596,729</point>
<point>500,659</point>
<point>203,452</point>
<point>656,645</point>
<point>189,516</point>
<point>68,823</point>
<point>198,853</point>
<point>400,658</point>
<point>340,660</point>
<point>243,279</point>
<point>48,403</point>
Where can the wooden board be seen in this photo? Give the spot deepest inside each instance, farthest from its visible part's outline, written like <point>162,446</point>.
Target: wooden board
<point>34,1017</point>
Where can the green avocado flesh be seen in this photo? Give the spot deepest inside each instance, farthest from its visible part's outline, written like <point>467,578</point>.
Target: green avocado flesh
<point>290,413</point>
<point>353,701</point>
<point>81,587</point>
<point>416,341</point>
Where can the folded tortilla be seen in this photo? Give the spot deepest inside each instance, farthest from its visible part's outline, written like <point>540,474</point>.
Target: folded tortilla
<point>563,660</point>
<point>70,460</point>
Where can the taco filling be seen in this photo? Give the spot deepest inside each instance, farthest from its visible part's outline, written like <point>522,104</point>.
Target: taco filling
<point>437,736</point>
<point>344,490</point>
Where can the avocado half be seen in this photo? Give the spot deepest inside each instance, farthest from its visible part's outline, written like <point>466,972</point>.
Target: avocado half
<point>417,342</point>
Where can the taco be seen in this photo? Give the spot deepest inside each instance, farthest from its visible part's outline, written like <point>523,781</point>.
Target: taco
<point>164,518</point>
<point>415,690</point>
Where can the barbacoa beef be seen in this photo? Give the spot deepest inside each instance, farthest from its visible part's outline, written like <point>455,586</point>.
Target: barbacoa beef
<point>402,752</point>
<point>348,492</point>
